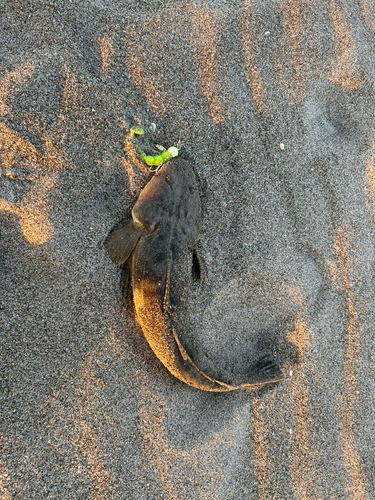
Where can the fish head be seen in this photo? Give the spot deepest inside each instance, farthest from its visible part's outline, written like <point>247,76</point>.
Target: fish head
<point>171,201</point>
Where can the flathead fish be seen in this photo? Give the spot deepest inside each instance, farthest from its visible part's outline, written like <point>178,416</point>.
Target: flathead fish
<point>165,220</point>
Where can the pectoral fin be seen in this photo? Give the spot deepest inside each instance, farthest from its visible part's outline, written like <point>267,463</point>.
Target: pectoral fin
<point>122,240</point>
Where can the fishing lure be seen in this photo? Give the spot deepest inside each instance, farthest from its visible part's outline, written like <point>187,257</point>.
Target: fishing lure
<point>153,161</point>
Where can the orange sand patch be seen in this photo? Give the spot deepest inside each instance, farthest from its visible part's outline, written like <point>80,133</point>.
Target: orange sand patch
<point>76,421</point>
<point>368,12</point>
<point>250,43</point>
<point>301,467</point>
<point>344,71</point>
<point>34,221</point>
<point>300,337</point>
<point>70,102</point>
<point>146,59</point>
<point>86,433</point>
<point>296,399</point>
<point>32,211</point>
<point>262,437</point>
<point>4,478</point>
<point>136,182</point>
<point>143,77</point>
<point>107,53</point>
<point>291,65</point>
<point>43,167</point>
<point>133,156</point>
<point>9,83</point>
<point>370,177</point>
<point>352,461</point>
<point>167,461</point>
<point>15,149</point>
<point>204,36</point>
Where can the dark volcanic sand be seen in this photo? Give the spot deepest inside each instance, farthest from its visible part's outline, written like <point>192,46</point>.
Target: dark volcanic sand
<point>273,103</point>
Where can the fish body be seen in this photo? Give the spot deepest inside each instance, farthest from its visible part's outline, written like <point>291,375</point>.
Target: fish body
<point>165,220</point>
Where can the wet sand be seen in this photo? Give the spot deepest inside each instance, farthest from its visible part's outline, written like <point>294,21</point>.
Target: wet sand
<point>273,107</point>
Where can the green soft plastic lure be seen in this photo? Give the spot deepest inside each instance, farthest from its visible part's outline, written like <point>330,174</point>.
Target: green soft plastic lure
<point>154,162</point>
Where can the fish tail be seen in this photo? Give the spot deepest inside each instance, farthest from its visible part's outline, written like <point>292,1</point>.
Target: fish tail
<point>163,340</point>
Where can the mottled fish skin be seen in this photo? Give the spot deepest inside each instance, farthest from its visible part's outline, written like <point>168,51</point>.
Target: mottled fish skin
<point>166,219</point>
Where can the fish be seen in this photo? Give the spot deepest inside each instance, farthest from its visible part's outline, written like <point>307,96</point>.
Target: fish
<point>166,219</point>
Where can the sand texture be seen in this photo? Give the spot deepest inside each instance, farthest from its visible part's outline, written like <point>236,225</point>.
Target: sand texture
<point>273,105</point>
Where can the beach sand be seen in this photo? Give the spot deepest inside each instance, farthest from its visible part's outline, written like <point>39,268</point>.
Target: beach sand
<point>272,104</point>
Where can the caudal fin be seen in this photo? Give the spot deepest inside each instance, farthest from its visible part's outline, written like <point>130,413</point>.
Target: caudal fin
<point>265,371</point>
